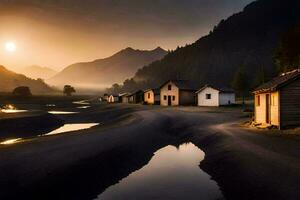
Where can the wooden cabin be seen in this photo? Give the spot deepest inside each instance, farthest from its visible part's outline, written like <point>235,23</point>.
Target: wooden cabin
<point>113,99</point>
<point>277,102</point>
<point>152,96</point>
<point>215,96</point>
<point>123,98</point>
<point>136,97</point>
<point>177,92</point>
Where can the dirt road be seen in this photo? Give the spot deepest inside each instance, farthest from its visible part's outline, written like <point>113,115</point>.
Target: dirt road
<point>81,164</point>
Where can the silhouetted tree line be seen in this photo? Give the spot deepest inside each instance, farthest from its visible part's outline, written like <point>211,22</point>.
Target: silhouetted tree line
<point>245,40</point>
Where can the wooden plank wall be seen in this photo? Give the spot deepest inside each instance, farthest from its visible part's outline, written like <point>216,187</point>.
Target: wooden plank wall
<point>290,104</point>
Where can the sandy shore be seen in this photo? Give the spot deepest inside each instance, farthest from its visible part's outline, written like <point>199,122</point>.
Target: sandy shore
<point>81,164</point>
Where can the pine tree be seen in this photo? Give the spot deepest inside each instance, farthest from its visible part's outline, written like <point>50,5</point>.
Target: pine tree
<point>240,83</point>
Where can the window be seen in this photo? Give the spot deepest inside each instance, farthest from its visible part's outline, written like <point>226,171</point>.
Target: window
<point>208,96</point>
<point>169,87</point>
<point>258,100</point>
<point>149,95</point>
<point>173,98</point>
<point>165,97</point>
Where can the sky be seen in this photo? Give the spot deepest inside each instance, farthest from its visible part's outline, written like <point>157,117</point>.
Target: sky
<point>57,33</point>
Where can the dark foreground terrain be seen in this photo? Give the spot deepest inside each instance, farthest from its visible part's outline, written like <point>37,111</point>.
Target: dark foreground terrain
<point>246,164</point>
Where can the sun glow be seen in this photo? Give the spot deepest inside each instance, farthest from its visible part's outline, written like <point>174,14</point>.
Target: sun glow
<point>10,47</point>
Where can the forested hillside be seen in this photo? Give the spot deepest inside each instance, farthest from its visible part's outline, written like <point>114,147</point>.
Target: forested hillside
<point>248,39</point>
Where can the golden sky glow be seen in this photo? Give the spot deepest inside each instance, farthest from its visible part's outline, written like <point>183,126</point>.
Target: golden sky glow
<point>58,33</point>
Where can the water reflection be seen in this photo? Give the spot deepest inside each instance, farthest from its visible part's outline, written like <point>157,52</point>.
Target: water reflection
<point>50,105</point>
<point>11,141</point>
<point>83,107</point>
<point>72,127</point>
<point>83,102</point>
<point>171,174</point>
<point>61,112</point>
<point>11,109</point>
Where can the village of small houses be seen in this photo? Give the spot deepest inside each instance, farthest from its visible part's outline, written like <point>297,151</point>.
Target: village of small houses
<point>276,102</point>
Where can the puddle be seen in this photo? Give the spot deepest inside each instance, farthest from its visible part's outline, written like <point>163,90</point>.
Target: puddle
<point>171,174</point>
<point>61,112</point>
<point>11,109</point>
<point>83,107</point>
<point>63,129</point>
<point>50,105</point>
<point>84,102</point>
<point>72,127</point>
<point>11,141</point>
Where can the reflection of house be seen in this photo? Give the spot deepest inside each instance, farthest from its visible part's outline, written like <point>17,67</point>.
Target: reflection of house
<point>123,98</point>
<point>113,99</point>
<point>152,96</point>
<point>277,102</point>
<point>215,96</point>
<point>177,92</point>
<point>136,97</point>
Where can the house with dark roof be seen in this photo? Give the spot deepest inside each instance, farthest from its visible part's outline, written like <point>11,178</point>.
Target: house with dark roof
<point>211,95</point>
<point>152,96</point>
<point>113,98</point>
<point>136,97</point>
<point>277,102</point>
<point>177,92</point>
<point>123,98</point>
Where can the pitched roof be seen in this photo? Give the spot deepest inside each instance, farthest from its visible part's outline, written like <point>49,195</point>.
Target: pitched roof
<point>220,89</point>
<point>123,94</point>
<point>182,84</point>
<point>278,82</point>
<point>136,92</point>
<point>155,91</point>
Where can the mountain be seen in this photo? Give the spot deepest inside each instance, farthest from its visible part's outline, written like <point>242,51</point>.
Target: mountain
<point>36,72</point>
<point>104,72</point>
<point>10,80</point>
<point>247,39</point>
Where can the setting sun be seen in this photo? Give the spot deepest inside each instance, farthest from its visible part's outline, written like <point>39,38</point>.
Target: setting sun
<point>10,47</point>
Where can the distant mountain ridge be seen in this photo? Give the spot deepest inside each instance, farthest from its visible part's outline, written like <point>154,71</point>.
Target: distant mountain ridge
<point>35,72</point>
<point>247,39</point>
<point>102,73</point>
<point>9,80</point>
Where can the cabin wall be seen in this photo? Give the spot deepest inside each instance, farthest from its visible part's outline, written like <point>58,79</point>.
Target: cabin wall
<point>275,108</point>
<point>149,97</point>
<point>203,101</point>
<point>124,99</point>
<point>290,104</point>
<point>226,99</point>
<point>164,93</point>
<point>260,108</point>
<point>112,99</point>
<point>186,97</point>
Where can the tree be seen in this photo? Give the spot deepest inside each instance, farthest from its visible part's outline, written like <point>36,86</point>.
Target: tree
<point>22,91</point>
<point>68,90</point>
<point>287,56</point>
<point>240,83</point>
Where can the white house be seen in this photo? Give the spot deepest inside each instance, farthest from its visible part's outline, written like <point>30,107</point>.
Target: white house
<point>113,99</point>
<point>215,96</point>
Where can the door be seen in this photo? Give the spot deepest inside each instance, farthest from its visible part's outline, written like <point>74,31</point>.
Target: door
<point>268,108</point>
<point>169,100</point>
